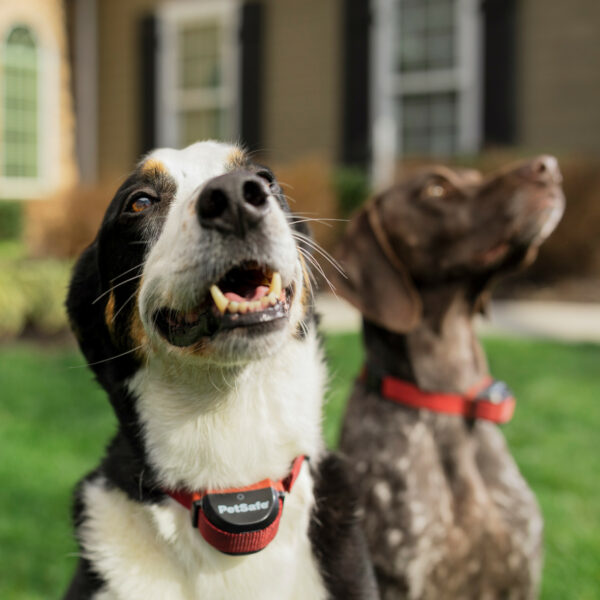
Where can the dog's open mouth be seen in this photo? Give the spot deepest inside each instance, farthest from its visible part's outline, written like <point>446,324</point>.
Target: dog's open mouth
<point>249,296</point>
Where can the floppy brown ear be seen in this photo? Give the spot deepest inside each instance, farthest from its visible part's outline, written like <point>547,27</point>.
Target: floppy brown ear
<point>384,293</point>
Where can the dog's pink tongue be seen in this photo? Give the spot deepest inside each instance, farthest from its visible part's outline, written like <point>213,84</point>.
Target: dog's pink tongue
<point>257,294</point>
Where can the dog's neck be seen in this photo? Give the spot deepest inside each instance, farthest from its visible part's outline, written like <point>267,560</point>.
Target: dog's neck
<point>441,354</point>
<point>228,427</point>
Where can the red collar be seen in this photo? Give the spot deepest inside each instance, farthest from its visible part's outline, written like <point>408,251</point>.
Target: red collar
<point>489,399</point>
<point>239,520</point>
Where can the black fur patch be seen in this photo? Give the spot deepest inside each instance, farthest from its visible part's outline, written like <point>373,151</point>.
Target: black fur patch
<point>336,534</point>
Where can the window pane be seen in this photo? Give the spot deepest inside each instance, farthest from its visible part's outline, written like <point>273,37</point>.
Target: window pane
<point>425,34</point>
<point>199,54</point>
<point>428,123</point>
<point>201,125</point>
<point>20,128</point>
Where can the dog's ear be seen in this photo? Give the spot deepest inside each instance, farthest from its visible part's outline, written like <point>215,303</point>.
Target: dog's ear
<point>86,306</point>
<point>384,293</point>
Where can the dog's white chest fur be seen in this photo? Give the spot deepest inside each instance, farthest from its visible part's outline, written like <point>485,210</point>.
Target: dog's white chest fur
<point>233,438</point>
<point>152,552</point>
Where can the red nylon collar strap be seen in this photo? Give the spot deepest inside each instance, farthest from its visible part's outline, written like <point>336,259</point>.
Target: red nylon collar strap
<point>235,541</point>
<point>489,399</point>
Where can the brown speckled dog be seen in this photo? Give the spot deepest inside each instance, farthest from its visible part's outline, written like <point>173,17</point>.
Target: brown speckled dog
<point>447,513</point>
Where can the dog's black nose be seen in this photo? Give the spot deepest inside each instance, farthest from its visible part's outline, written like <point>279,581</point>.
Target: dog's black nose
<point>233,203</point>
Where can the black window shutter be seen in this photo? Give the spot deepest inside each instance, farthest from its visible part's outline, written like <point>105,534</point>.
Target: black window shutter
<point>356,83</point>
<point>148,47</point>
<point>251,77</point>
<point>499,104</point>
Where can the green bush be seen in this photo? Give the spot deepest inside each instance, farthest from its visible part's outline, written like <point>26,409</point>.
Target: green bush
<point>13,303</point>
<point>32,294</point>
<point>11,220</point>
<point>352,189</point>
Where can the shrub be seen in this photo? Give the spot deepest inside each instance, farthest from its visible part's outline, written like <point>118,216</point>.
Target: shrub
<point>13,303</point>
<point>11,220</point>
<point>32,294</point>
<point>352,189</point>
<point>63,225</point>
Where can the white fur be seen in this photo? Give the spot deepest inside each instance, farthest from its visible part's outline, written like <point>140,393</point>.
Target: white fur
<point>151,552</point>
<point>214,427</point>
<point>209,422</point>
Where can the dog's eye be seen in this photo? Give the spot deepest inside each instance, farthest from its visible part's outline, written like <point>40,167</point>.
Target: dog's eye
<point>140,203</point>
<point>435,190</point>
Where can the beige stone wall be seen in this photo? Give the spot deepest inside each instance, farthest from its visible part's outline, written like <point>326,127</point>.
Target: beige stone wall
<point>559,75</point>
<point>302,81</point>
<point>303,87</point>
<point>46,19</point>
<point>119,85</point>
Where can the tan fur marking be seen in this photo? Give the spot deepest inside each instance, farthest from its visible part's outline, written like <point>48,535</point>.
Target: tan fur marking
<point>136,329</point>
<point>237,158</point>
<point>154,167</point>
<point>109,313</point>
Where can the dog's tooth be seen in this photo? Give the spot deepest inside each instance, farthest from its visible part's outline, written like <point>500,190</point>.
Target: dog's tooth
<point>275,287</point>
<point>272,299</point>
<point>233,306</point>
<point>219,298</point>
<point>255,305</point>
<point>243,307</point>
<point>264,301</point>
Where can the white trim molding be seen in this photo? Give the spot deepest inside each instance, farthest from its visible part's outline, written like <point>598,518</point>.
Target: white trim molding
<point>390,86</point>
<point>86,88</point>
<point>171,98</point>
<point>48,102</point>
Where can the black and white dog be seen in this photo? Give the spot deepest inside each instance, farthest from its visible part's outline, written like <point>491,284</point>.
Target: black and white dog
<point>194,310</point>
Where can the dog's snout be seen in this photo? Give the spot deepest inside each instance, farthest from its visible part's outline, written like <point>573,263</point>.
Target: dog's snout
<point>233,203</point>
<point>543,169</point>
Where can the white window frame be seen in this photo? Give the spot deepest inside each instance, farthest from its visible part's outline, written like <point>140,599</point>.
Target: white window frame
<point>169,97</point>
<point>464,79</point>
<point>23,188</point>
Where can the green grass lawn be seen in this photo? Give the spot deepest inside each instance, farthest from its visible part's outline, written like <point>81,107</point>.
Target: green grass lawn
<point>54,423</point>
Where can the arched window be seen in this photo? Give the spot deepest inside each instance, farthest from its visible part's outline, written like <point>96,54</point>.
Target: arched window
<point>20,123</point>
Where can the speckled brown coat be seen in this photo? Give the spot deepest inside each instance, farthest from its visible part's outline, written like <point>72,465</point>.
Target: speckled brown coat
<point>446,511</point>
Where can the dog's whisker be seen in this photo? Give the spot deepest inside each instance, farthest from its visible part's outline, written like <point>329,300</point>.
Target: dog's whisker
<point>114,279</point>
<point>325,222</point>
<point>123,306</point>
<point>313,261</point>
<point>310,216</point>
<point>285,184</point>
<point>98,362</point>
<point>334,263</point>
<point>210,379</point>
<point>114,287</point>
<point>317,248</point>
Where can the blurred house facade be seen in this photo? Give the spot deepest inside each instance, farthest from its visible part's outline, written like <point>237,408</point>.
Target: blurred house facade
<point>36,119</point>
<point>353,81</point>
<point>350,81</point>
